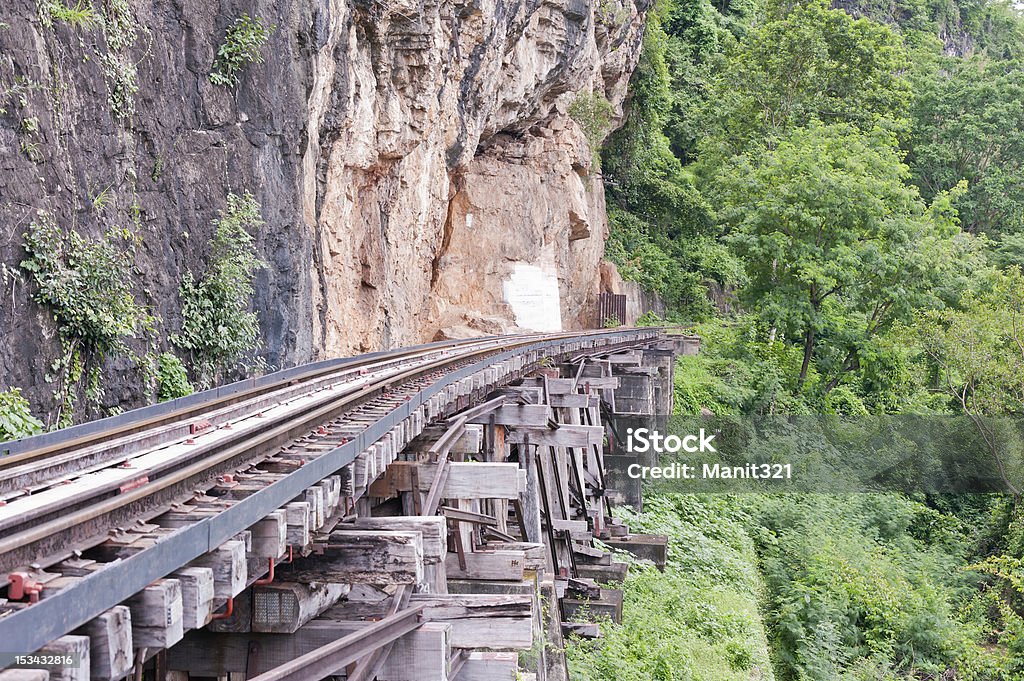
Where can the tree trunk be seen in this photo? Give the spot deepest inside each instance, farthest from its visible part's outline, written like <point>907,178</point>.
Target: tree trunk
<point>808,351</point>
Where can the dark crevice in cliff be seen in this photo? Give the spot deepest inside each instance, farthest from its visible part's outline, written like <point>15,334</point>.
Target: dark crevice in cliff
<point>455,188</point>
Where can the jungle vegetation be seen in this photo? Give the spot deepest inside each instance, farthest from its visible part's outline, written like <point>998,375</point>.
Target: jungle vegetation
<point>833,195</point>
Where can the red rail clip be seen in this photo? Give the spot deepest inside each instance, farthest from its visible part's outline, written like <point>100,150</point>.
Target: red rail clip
<point>22,586</point>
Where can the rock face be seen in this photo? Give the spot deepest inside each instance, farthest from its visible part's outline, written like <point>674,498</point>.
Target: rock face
<point>410,159</point>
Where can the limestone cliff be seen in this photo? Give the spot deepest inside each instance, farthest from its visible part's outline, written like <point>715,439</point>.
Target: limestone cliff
<point>416,163</point>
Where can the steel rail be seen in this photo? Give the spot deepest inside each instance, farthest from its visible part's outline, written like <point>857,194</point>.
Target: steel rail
<point>70,503</point>
<point>47,541</point>
<point>197,404</point>
<point>19,469</point>
<point>30,628</point>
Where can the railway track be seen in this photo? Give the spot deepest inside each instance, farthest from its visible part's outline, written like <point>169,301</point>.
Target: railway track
<point>61,496</point>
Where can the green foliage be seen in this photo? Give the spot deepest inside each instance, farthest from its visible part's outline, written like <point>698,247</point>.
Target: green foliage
<point>80,15</point>
<point>16,419</point>
<point>837,245</point>
<point>242,44</point>
<point>976,350</point>
<point>171,378</point>
<point>217,329</point>
<point>593,113</point>
<point>122,84</point>
<point>120,71</point>
<point>86,284</point>
<point>851,588</point>
<point>699,619</point>
<point>969,125</point>
<point>806,63</point>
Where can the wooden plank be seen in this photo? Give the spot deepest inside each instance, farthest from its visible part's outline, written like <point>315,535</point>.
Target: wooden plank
<point>315,497</point>
<point>270,535</point>
<point>298,518</point>
<point>603,383</point>
<point>614,572</point>
<point>157,615</point>
<point>230,570</point>
<point>516,415</point>
<point>477,480</point>
<point>78,648</point>
<point>420,655</point>
<point>197,594</point>
<point>110,644</point>
<point>577,529</point>
<point>500,565</point>
<point>490,666</point>
<point>283,607</point>
<point>433,528</point>
<point>535,554</point>
<point>563,436</point>
<point>608,606</point>
<point>574,401</point>
<point>561,386</point>
<point>482,621</point>
<point>366,557</point>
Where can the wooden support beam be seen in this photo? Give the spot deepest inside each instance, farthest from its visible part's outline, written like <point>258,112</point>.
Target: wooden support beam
<point>516,415</point>
<point>433,529</point>
<point>581,629</point>
<point>283,607</point>
<point>197,594</point>
<point>466,480</point>
<point>298,517</point>
<point>110,644</point>
<point>500,565</point>
<point>75,646</point>
<point>563,436</point>
<point>477,480</point>
<point>608,606</point>
<point>270,535</point>
<point>481,621</point>
<point>574,401</point>
<point>490,666</point>
<point>534,554</point>
<point>157,615</point>
<point>577,529</point>
<point>420,655</point>
<point>614,572</point>
<point>364,556</point>
<point>653,547</point>
<point>230,570</point>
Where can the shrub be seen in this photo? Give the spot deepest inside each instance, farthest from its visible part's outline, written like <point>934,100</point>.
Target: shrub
<point>593,113</point>
<point>241,46</point>
<point>171,378</point>
<point>80,15</point>
<point>85,283</point>
<point>217,329</point>
<point>16,420</point>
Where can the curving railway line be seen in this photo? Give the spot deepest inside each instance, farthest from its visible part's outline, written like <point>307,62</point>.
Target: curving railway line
<point>62,494</point>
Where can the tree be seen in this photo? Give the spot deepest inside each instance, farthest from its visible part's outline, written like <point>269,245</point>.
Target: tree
<point>978,351</point>
<point>969,124</point>
<point>805,63</point>
<point>837,244</point>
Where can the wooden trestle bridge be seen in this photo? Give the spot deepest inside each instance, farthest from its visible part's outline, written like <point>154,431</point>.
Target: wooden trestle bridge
<point>425,514</point>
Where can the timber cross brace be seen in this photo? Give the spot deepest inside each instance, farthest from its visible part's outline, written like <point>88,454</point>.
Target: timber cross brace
<point>418,515</point>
